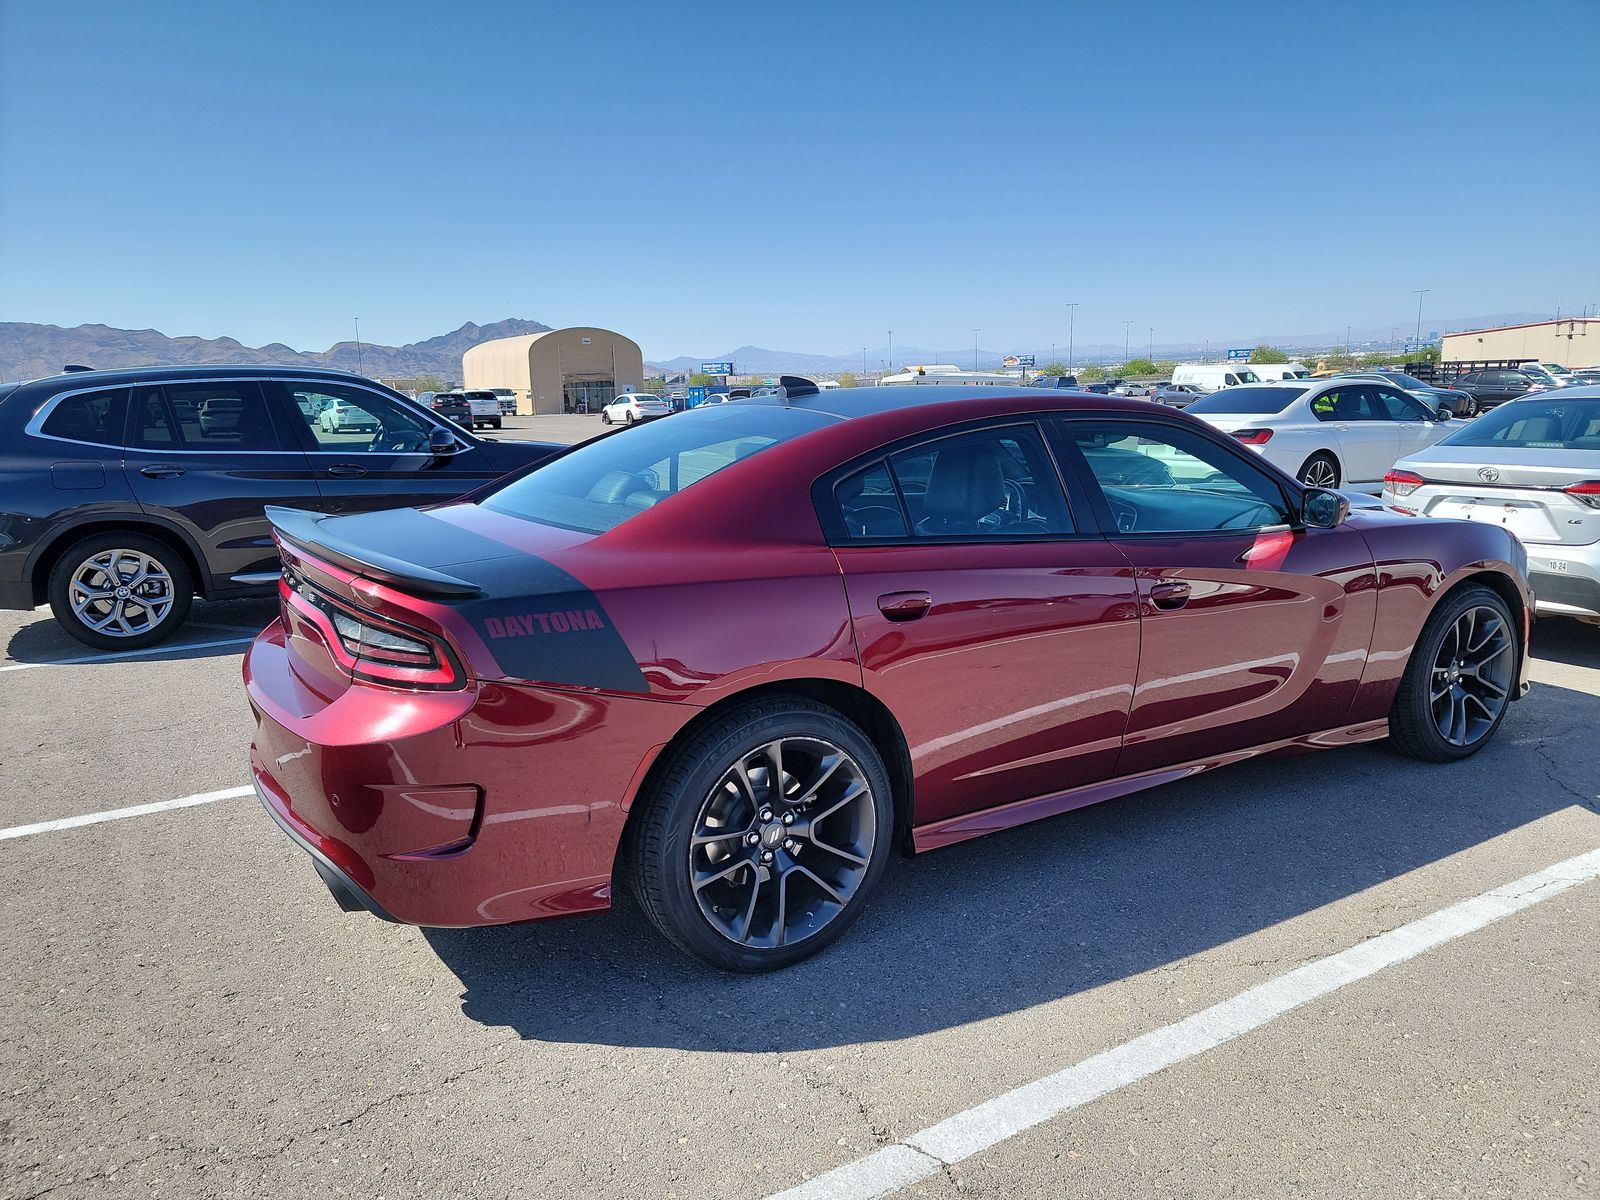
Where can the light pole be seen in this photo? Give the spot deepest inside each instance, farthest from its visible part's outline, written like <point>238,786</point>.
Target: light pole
<point>360,366</point>
<point>891,352</point>
<point>1420,293</point>
<point>1152,343</point>
<point>1127,328</point>
<point>975,334</point>
<point>1072,329</point>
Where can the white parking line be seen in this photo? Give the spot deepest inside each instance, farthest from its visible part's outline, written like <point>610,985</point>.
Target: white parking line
<point>995,1121</point>
<point>112,657</point>
<point>119,814</point>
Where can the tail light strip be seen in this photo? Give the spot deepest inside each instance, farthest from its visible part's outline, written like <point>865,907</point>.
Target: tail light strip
<point>371,647</point>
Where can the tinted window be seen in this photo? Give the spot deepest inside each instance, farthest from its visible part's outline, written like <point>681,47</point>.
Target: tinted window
<point>1404,380</point>
<point>1396,407</point>
<point>988,483</point>
<point>869,504</point>
<point>1163,480</point>
<point>1553,424</point>
<point>1250,401</point>
<point>89,417</point>
<point>1345,404</point>
<point>204,416</point>
<point>602,483</point>
<point>352,418</point>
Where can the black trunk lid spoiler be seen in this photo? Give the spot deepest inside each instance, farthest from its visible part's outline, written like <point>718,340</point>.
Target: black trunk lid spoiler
<point>305,531</point>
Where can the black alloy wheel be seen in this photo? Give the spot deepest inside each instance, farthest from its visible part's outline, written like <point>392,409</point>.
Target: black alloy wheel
<point>1460,680</point>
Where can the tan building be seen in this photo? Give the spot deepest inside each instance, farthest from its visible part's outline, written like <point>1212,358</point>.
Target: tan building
<point>558,371</point>
<point>1571,341</point>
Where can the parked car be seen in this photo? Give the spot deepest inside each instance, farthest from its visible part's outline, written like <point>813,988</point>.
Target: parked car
<point>1272,372</point>
<point>1053,381</point>
<point>122,502</point>
<point>1531,466</point>
<point>1134,390</point>
<point>1212,377</point>
<point>1586,376</point>
<point>633,406</point>
<point>1177,395</point>
<point>484,410</point>
<point>1460,403</point>
<point>734,710</point>
<point>508,401</point>
<point>1497,385</point>
<point>452,406</point>
<point>1552,374</point>
<point>1326,433</point>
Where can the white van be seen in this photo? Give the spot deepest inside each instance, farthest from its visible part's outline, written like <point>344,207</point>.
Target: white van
<point>1213,377</point>
<point>1273,372</point>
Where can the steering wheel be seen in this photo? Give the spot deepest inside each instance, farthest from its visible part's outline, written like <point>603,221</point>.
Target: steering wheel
<point>398,441</point>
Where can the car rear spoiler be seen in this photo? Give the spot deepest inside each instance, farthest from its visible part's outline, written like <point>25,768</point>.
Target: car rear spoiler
<point>304,531</point>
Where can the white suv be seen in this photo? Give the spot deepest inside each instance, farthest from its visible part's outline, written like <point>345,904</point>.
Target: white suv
<point>485,409</point>
<point>633,406</point>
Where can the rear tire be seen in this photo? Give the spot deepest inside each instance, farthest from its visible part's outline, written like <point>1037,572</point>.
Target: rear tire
<point>750,867</point>
<point>498,423</point>
<point>1459,680</point>
<point>120,591</point>
<point>1320,470</point>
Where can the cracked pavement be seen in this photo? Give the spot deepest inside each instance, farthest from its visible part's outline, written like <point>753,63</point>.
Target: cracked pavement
<point>185,1012</point>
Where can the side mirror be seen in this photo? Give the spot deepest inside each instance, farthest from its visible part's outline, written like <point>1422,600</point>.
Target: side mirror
<point>441,444</point>
<point>1444,414</point>
<point>1322,509</point>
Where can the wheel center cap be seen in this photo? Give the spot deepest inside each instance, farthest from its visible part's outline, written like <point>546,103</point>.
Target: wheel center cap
<point>772,834</point>
<point>123,593</point>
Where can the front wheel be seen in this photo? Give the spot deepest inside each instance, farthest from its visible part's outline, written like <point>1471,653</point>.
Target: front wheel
<point>1460,678</point>
<point>120,591</point>
<point>605,417</point>
<point>1469,407</point>
<point>762,837</point>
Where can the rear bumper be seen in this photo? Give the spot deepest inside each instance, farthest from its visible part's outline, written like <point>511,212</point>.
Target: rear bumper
<point>349,894</point>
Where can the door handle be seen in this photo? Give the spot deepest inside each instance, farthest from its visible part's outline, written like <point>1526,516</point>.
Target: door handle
<point>904,606</point>
<point>347,471</point>
<point>1172,594</point>
<point>161,471</point>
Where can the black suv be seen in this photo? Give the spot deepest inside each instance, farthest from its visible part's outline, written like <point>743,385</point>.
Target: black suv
<point>1495,387</point>
<point>126,493</point>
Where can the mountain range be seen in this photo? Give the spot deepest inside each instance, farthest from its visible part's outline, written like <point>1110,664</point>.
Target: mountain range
<point>28,351</point>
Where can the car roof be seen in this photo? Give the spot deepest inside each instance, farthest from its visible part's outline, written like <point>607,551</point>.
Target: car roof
<point>873,401</point>
<point>114,376</point>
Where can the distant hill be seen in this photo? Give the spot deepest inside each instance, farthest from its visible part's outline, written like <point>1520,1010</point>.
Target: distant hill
<point>28,351</point>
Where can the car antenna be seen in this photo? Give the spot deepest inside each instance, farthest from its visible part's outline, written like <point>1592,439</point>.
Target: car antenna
<point>795,386</point>
<point>73,368</point>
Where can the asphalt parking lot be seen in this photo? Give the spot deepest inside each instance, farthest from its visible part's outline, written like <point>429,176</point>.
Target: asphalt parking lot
<point>187,1013</point>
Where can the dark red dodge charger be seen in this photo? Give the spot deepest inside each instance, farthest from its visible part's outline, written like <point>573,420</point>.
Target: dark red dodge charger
<point>729,657</point>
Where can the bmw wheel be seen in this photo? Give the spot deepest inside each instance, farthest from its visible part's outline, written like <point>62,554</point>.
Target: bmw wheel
<point>120,591</point>
<point>1320,470</point>
<point>1459,680</point>
<point>762,837</point>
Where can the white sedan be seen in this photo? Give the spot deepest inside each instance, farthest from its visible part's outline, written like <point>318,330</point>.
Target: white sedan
<point>1326,433</point>
<point>633,406</point>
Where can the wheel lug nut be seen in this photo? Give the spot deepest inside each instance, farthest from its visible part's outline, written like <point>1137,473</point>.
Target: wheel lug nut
<point>790,845</point>
<point>752,838</point>
<point>766,856</point>
<point>788,818</point>
<point>766,814</point>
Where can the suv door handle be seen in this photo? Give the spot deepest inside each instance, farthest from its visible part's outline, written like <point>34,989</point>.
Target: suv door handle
<point>347,471</point>
<point>904,606</point>
<point>161,471</point>
<point>1172,594</point>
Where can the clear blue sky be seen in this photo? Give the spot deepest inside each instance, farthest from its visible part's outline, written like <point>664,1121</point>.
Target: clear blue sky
<point>798,176</point>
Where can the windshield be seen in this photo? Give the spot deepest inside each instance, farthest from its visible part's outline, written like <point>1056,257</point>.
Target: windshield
<point>1552,424</point>
<point>1404,380</point>
<point>1247,400</point>
<point>603,482</point>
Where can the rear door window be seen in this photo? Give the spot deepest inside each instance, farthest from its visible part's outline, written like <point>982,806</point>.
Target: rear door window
<point>97,417</point>
<point>231,415</point>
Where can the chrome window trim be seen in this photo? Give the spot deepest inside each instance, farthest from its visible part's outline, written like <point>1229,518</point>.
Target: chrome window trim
<point>31,429</point>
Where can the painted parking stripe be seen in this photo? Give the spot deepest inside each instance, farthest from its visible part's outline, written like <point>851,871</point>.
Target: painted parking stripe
<point>988,1124</point>
<point>120,814</point>
<point>112,657</point>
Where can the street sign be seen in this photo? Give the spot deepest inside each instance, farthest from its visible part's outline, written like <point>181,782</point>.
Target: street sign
<point>1411,346</point>
<point>716,368</point>
<point>1241,352</point>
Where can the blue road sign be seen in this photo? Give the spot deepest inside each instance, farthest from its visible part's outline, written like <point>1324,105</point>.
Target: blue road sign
<point>1241,352</point>
<point>1024,360</point>
<point>716,368</point>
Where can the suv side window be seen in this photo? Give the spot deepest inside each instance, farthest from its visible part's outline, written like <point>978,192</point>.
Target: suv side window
<point>96,417</point>
<point>1160,479</point>
<point>230,415</point>
<point>343,418</point>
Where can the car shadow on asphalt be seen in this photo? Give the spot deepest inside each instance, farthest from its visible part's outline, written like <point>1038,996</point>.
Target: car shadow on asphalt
<point>1567,640</point>
<point>1059,907</point>
<point>42,640</point>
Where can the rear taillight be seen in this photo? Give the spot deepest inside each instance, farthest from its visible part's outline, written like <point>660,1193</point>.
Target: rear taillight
<point>1587,492</point>
<point>1253,437</point>
<point>1402,483</point>
<point>371,647</point>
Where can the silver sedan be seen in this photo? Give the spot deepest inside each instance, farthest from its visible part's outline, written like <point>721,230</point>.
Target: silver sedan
<point>1326,432</point>
<point>1532,466</point>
